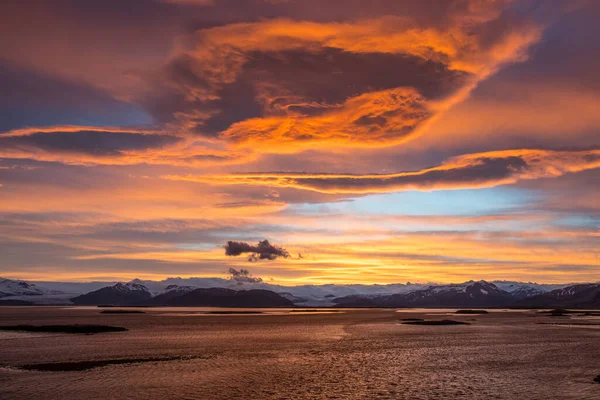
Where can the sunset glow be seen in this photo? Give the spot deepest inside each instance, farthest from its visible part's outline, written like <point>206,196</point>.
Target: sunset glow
<point>375,141</point>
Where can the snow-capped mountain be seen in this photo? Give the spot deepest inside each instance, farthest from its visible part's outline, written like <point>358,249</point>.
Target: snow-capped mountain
<point>9,287</point>
<point>468,294</point>
<point>21,292</point>
<point>317,295</point>
<point>525,291</point>
<point>576,296</point>
<point>306,295</point>
<point>73,288</point>
<point>303,291</point>
<point>179,289</point>
<point>295,299</point>
<point>119,294</point>
<point>130,287</point>
<point>470,288</point>
<point>471,293</point>
<point>170,292</point>
<point>521,290</point>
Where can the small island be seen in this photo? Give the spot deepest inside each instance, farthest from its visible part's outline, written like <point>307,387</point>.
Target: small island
<point>475,312</point>
<point>76,329</point>
<point>241,312</point>
<point>436,322</point>
<point>87,365</point>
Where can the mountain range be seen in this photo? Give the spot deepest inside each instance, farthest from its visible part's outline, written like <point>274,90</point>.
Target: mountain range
<point>217,292</point>
<point>468,294</point>
<point>135,294</point>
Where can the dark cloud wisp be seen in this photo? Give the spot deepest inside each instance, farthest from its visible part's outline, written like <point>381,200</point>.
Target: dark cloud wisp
<point>242,276</point>
<point>262,251</point>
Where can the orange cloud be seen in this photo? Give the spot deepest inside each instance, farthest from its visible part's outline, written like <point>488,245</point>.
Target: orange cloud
<point>370,118</point>
<point>463,172</point>
<point>469,44</point>
<point>455,45</point>
<point>76,128</point>
<point>91,145</point>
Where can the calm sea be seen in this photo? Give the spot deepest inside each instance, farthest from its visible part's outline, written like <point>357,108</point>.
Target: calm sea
<point>351,354</point>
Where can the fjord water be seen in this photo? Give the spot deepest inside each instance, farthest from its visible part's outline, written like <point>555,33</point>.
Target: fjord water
<point>351,354</point>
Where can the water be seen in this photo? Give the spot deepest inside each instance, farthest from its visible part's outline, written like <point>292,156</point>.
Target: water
<point>353,354</point>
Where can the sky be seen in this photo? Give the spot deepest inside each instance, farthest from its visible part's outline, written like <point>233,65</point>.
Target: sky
<point>370,141</point>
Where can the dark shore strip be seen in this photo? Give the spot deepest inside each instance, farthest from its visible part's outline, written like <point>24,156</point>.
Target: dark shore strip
<point>118,305</point>
<point>87,365</point>
<point>232,312</point>
<point>561,312</point>
<point>474,312</point>
<point>77,329</point>
<point>568,323</point>
<point>436,322</point>
<point>11,303</point>
<point>122,312</point>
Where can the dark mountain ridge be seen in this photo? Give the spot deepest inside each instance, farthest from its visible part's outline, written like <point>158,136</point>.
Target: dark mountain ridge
<point>121,294</point>
<point>471,294</point>
<point>134,294</point>
<point>220,297</point>
<point>576,296</point>
<point>468,294</point>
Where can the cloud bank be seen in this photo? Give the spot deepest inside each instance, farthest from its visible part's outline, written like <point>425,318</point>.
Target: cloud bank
<point>464,172</point>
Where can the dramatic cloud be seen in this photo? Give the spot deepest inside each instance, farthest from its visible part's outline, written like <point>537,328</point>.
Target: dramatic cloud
<point>464,172</point>
<point>358,122</point>
<point>86,142</point>
<point>281,86</point>
<point>242,276</point>
<point>262,251</point>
